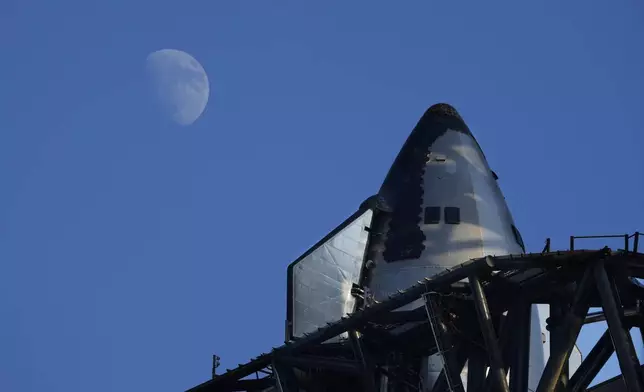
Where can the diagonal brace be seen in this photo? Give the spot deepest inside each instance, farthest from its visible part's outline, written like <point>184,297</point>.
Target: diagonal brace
<point>487,329</point>
<point>592,364</point>
<point>570,328</point>
<point>622,341</point>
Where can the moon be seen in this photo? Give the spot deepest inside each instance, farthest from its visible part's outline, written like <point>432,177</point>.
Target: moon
<point>179,83</point>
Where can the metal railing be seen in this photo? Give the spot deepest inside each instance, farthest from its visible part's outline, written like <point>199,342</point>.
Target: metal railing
<point>626,237</point>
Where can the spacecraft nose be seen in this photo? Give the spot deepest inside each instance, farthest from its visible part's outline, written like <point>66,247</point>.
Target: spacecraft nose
<point>440,117</point>
<point>444,110</point>
<point>412,158</point>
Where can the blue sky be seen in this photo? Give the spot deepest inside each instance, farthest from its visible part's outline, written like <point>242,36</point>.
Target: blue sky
<point>132,249</point>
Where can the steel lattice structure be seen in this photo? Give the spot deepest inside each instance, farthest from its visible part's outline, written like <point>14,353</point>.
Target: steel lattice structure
<point>477,313</point>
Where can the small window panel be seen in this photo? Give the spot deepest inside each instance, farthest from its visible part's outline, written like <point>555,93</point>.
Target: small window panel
<point>435,158</point>
<point>432,215</point>
<point>518,238</point>
<point>452,215</point>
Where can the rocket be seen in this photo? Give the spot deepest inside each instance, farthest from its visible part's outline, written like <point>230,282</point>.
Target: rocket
<point>445,205</point>
<point>439,205</point>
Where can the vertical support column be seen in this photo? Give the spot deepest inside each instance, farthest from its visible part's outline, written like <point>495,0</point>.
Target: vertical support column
<point>476,366</point>
<point>558,337</point>
<point>641,328</point>
<point>487,329</point>
<point>570,328</point>
<point>622,341</point>
<point>640,318</point>
<point>444,344</point>
<point>521,349</point>
<point>507,339</point>
<point>592,364</point>
<point>368,373</point>
<point>443,383</point>
<point>284,377</point>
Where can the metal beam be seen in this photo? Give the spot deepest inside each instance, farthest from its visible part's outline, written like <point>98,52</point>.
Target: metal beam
<point>558,338</point>
<point>635,267</point>
<point>510,333</point>
<point>366,365</point>
<point>340,365</point>
<point>536,288</point>
<point>249,385</point>
<point>572,324</point>
<point>284,377</point>
<point>506,339</point>
<point>546,260</point>
<point>615,384</point>
<point>476,366</point>
<point>592,364</point>
<point>487,329</point>
<point>624,349</point>
<point>400,316</point>
<point>442,384</point>
<point>636,241</point>
<point>392,377</point>
<point>596,317</point>
<point>520,362</point>
<point>447,348</point>
<point>379,337</point>
<point>508,326</point>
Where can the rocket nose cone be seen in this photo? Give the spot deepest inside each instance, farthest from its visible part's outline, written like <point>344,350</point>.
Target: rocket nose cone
<point>409,166</point>
<point>446,115</point>
<point>444,110</point>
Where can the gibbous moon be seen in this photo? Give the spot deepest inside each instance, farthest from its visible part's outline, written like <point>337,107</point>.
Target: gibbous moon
<point>180,84</point>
